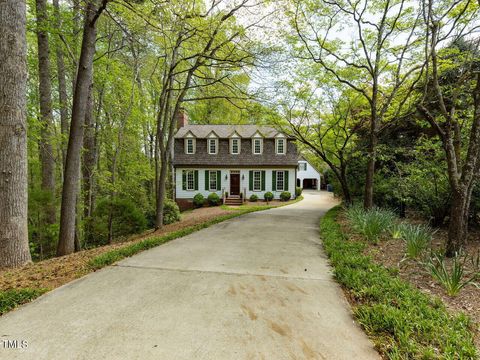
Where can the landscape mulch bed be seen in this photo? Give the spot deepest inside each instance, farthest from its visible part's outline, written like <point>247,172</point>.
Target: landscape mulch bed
<point>390,253</point>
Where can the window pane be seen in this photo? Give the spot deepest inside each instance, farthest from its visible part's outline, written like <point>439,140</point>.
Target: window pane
<point>280,146</point>
<point>280,176</point>
<point>190,180</point>
<point>235,146</point>
<point>213,180</point>
<point>190,146</point>
<point>257,180</point>
<point>212,146</point>
<point>257,146</point>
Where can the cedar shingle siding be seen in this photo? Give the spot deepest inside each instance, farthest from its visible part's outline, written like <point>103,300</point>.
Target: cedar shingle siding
<point>224,158</point>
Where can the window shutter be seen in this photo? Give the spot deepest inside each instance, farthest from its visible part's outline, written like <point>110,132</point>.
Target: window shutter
<point>196,179</point>
<point>184,180</point>
<point>207,180</point>
<point>219,180</point>
<point>285,186</point>
<point>274,181</point>
<point>250,180</point>
<point>263,180</point>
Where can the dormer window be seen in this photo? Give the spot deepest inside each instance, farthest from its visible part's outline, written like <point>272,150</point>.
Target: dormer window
<point>212,146</point>
<point>190,146</point>
<point>257,146</point>
<point>280,146</point>
<point>235,146</point>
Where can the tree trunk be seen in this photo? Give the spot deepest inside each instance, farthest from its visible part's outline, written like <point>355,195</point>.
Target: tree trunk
<point>66,244</point>
<point>161,188</point>
<point>62,84</point>
<point>89,158</point>
<point>14,249</point>
<point>47,160</point>
<point>458,224</point>
<point>368,195</point>
<point>347,197</point>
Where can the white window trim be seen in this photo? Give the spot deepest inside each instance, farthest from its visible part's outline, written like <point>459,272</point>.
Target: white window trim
<point>190,172</point>
<point>210,172</point>
<point>193,146</point>
<point>239,146</point>
<point>216,146</point>
<point>259,182</point>
<point>284,146</point>
<point>253,146</point>
<point>283,181</point>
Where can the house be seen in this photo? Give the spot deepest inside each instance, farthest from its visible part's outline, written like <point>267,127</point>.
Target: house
<point>233,161</point>
<point>308,177</point>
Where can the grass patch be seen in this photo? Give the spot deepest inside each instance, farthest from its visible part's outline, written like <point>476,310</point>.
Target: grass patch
<point>10,299</point>
<point>403,322</point>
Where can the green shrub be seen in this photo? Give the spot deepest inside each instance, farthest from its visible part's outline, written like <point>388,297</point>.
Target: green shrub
<point>198,200</point>
<point>171,212</point>
<point>213,199</point>
<point>253,198</point>
<point>126,220</point>
<point>453,278</point>
<point>403,322</point>
<point>370,223</point>
<point>417,238</point>
<point>268,196</point>
<point>298,191</point>
<point>285,196</point>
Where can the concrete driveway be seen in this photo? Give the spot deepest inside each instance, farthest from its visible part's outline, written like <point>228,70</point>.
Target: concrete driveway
<point>254,287</point>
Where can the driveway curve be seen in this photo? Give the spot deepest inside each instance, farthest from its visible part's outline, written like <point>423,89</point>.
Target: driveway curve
<point>254,287</point>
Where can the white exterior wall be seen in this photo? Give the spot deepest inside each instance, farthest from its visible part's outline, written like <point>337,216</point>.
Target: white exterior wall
<point>310,173</point>
<point>244,183</point>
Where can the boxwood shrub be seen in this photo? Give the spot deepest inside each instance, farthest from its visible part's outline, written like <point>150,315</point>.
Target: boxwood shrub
<point>285,196</point>
<point>253,197</point>
<point>198,200</point>
<point>268,196</point>
<point>213,199</point>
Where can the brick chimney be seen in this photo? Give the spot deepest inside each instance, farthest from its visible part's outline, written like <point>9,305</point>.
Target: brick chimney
<point>182,118</point>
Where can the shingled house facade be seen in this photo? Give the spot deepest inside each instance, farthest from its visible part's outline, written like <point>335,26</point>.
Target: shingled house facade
<point>233,161</point>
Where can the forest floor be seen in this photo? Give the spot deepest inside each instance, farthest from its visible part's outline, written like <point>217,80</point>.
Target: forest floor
<point>391,253</point>
<point>55,272</point>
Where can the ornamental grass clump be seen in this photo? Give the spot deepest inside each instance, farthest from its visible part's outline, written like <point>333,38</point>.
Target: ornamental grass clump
<point>453,278</point>
<point>417,239</point>
<point>370,223</point>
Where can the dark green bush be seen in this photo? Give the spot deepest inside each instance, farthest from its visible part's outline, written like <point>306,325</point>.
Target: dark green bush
<point>213,199</point>
<point>285,196</point>
<point>298,191</point>
<point>253,197</point>
<point>268,196</point>
<point>171,212</point>
<point>198,200</point>
<point>125,218</point>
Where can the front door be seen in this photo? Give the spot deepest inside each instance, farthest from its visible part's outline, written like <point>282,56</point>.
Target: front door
<point>234,184</point>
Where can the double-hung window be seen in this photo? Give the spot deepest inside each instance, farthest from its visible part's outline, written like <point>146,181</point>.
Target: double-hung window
<point>280,180</point>
<point>235,146</point>
<point>190,146</point>
<point>257,181</point>
<point>190,180</point>
<point>302,167</point>
<point>257,146</point>
<point>212,176</point>
<point>212,146</point>
<point>280,148</point>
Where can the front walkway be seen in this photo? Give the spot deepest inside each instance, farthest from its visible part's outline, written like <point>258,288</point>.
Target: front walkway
<point>254,287</point>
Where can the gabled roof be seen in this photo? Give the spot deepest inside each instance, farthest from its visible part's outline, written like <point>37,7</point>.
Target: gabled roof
<point>225,131</point>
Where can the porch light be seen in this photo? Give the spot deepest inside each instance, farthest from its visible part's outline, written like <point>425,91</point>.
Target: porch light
<point>243,177</point>
<point>226,177</point>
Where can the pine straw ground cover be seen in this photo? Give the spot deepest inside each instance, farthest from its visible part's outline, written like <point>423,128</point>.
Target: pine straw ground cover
<point>402,321</point>
<point>21,285</point>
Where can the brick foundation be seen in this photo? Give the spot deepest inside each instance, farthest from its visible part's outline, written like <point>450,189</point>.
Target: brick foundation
<point>185,204</point>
